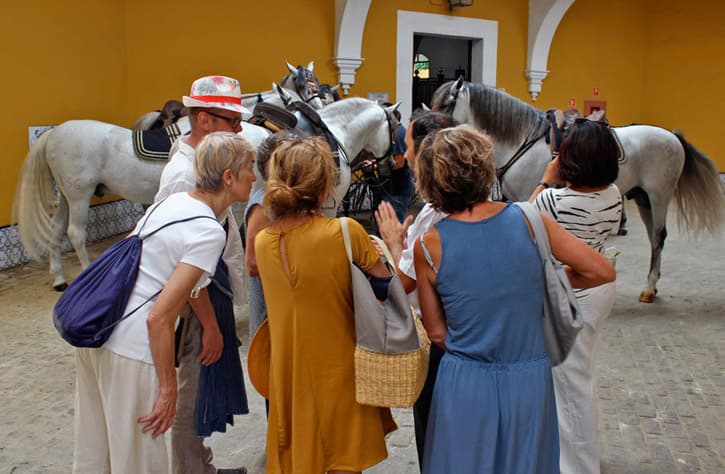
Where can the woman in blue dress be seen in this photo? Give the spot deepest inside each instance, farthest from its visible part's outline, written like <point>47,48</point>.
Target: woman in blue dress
<point>480,284</point>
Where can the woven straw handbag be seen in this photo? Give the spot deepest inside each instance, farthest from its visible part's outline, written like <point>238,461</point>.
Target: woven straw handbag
<point>392,347</point>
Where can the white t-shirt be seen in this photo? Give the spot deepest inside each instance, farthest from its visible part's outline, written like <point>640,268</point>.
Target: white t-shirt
<point>179,176</point>
<point>198,242</point>
<point>426,218</point>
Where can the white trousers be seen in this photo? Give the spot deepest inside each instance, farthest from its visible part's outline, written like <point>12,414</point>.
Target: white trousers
<point>576,400</point>
<point>112,392</point>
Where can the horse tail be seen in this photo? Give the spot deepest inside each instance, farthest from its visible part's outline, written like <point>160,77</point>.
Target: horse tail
<point>699,193</point>
<point>34,198</point>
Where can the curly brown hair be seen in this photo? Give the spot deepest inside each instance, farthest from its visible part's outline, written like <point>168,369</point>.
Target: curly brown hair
<point>455,168</point>
<point>302,174</point>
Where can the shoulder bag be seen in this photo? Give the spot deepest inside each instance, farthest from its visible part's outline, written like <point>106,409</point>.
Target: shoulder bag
<point>562,316</point>
<point>392,347</point>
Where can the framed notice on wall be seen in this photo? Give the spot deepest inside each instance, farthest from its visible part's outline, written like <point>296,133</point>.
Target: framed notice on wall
<point>35,132</point>
<point>591,106</point>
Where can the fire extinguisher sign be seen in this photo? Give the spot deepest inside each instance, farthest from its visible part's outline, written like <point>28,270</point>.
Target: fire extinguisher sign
<point>572,103</point>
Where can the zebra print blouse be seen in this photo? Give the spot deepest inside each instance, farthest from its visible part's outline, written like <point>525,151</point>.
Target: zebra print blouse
<point>589,216</point>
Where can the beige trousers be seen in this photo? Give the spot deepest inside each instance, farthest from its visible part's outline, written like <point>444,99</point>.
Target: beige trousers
<point>189,455</point>
<point>112,392</point>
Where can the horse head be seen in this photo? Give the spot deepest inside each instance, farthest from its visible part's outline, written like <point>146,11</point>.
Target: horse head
<point>452,98</point>
<point>329,94</point>
<point>304,82</point>
<point>362,124</point>
<point>172,111</point>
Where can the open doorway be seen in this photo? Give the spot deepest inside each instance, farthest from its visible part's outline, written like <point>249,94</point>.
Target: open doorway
<point>479,43</point>
<point>437,59</point>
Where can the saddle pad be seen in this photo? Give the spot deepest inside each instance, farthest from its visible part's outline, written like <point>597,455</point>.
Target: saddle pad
<point>155,144</point>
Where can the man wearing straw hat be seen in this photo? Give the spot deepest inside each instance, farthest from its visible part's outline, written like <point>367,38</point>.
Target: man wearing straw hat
<point>214,106</point>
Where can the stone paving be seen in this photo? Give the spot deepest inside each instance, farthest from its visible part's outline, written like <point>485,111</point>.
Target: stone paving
<point>661,372</point>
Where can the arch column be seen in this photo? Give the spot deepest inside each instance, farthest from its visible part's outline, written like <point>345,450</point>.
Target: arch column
<point>544,19</point>
<point>350,18</point>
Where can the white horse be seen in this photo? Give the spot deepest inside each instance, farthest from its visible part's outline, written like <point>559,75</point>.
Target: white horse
<point>301,83</point>
<point>87,157</point>
<point>656,166</point>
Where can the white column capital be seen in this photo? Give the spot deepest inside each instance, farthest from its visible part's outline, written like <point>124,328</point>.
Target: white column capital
<point>535,79</point>
<point>347,68</point>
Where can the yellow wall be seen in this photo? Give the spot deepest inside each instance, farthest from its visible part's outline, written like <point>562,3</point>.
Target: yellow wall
<point>61,60</point>
<point>602,46</point>
<point>247,40</point>
<point>114,60</point>
<point>685,73</point>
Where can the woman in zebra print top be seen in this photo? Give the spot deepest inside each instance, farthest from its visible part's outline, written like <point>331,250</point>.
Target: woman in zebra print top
<point>590,207</point>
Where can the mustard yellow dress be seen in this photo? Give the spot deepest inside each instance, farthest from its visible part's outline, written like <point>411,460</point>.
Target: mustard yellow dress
<point>314,424</point>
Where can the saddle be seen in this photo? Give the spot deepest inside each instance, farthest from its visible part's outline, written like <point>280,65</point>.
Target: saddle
<point>155,144</point>
<point>272,117</point>
<point>300,117</point>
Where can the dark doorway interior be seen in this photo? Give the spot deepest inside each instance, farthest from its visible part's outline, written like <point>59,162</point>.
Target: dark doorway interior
<point>437,59</point>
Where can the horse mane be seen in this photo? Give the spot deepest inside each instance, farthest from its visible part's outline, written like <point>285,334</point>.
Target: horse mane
<point>503,116</point>
<point>344,111</point>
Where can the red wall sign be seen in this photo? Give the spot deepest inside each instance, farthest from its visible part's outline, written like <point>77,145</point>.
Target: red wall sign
<point>596,92</point>
<point>572,103</point>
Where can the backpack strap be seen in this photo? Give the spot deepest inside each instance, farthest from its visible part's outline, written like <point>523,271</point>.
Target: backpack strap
<point>125,316</point>
<point>130,313</point>
<point>175,222</point>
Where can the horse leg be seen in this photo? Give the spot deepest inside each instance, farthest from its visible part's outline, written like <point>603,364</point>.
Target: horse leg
<point>653,215</point>
<point>60,222</point>
<point>77,229</point>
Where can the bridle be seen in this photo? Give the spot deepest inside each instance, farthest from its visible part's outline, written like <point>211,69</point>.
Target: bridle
<point>391,134</point>
<point>450,106</point>
<point>309,84</point>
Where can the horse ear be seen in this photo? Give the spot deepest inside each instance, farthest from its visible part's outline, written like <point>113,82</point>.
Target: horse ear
<point>424,106</point>
<point>283,93</point>
<point>311,66</point>
<point>336,87</point>
<point>393,108</point>
<point>292,69</point>
<point>458,84</point>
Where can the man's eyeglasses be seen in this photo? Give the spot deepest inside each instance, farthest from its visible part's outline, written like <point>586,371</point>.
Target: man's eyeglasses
<point>234,122</point>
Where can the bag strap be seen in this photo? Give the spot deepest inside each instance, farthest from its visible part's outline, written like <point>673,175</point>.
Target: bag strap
<point>149,215</point>
<point>130,313</point>
<point>346,237</point>
<point>426,254</point>
<point>176,222</point>
<point>125,316</point>
<point>537,225</point>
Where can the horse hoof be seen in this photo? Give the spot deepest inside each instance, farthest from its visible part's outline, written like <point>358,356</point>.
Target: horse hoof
<point>60,287</point>
<point>622,232</point>
<point>647,296</point>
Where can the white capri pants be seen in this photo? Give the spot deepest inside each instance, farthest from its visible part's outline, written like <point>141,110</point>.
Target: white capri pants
<point>576,399</point>
<point>112,393</point>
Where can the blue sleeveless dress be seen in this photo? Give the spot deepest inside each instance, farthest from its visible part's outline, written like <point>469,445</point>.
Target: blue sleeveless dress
<point>493,408</point>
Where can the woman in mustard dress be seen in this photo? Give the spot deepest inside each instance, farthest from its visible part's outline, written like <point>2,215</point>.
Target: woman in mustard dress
<point>315,424</point>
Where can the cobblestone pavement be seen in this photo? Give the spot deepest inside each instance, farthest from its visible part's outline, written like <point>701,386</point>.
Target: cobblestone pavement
<point>661,372</point>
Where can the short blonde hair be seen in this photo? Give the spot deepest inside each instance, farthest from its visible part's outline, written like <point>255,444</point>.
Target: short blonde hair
<point>454,168</point>
<point>301,174</point>
<point>217,152</point>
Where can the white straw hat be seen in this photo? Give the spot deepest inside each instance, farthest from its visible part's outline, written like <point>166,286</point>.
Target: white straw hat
<point>219,92</point>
